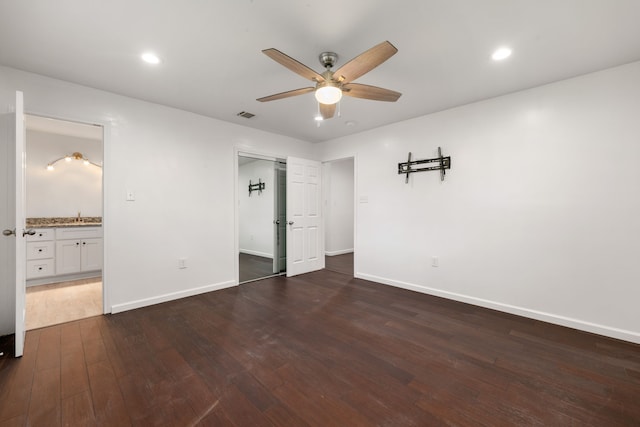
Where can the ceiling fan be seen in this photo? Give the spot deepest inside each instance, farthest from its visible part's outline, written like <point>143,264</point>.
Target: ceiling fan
<point>331,85</point>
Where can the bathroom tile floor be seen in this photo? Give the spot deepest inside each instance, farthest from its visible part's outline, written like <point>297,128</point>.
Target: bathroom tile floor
<point>63,302</point>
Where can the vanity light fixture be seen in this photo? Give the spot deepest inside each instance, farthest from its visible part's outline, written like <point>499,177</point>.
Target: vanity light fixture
<point>74,156</point>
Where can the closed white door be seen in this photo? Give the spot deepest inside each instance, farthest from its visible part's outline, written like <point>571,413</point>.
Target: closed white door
<point>305,236</point>
<point>12,207</point>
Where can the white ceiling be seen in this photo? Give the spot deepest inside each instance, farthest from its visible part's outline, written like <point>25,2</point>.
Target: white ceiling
<point>213,65</point>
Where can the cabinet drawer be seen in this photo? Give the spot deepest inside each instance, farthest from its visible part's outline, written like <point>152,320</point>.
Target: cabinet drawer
<point>78,233</point>
<point>40,268</point>
<point>42,234</point>
<point>40,250</point>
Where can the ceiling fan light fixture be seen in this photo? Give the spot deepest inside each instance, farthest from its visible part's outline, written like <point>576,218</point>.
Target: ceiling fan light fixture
<point>328,94</point>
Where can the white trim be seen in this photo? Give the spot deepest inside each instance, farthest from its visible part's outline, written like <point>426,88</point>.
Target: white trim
<point>353,156</point>
<point>106,168</point>
<point>106,151</point>
<point>119,308</point>
<point>256,156</point>
<point>240,151</point>
<point>256,253</point>
<point>63,278</point>
<point>608,331</point>
<point>340,252</point>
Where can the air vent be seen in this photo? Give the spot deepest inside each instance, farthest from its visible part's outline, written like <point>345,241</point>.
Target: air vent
<point>245,114</point>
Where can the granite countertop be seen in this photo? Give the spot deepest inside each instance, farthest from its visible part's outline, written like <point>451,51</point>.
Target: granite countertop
<point>59,222</point>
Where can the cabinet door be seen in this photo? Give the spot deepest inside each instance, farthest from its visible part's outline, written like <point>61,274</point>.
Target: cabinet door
<point>91,255</point>
<point>67,256</point>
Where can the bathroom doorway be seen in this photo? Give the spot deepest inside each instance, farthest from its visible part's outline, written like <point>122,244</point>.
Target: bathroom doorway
<point>63,191</point>
<point>262,217</point>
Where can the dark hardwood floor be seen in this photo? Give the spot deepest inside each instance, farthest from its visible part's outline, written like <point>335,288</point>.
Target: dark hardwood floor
<point>321,349</point>
<point>254,267</point>
<point>340,263</point>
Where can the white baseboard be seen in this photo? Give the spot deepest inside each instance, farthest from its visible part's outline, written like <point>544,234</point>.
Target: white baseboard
<point>118,308</point>
<point>62,278</point>
<point>607,331</point>
<point>256,253</point>
<point>341,252</point>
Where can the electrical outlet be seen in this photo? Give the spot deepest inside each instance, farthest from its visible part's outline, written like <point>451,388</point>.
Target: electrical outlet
<point>435,261</point>
<point>130,196</point>
<point>182,263</point>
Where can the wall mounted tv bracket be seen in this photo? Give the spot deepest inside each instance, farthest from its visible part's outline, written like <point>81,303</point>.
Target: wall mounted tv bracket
<point>407,167</point>
<point>256,187</point>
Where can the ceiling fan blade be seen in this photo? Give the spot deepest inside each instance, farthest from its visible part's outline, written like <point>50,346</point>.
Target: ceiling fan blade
<point>293,65</point>
<point>375,93</point>
<point>287,94</point>
<point>327,110</point>
<point>365,62</point>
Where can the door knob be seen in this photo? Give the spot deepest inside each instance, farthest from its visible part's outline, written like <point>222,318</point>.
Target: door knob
<point>276,221</point>
<point>30,232</point>
<point>8,232</point>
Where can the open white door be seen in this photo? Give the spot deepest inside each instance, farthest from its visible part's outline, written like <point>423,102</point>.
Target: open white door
<point>305,236</point>
<point>12,189</point>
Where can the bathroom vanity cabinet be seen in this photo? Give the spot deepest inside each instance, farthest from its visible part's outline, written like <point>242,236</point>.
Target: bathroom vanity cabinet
<point>64,253</point>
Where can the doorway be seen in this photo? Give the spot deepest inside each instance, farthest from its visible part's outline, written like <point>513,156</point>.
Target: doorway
<point>338,185</point>
<point>63,192</point>
<point>261,217</point>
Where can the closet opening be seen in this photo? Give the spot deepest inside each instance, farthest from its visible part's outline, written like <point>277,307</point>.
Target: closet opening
<point>262,243</point>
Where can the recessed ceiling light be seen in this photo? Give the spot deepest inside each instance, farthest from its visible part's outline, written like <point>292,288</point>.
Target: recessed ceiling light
<point>501,53</point>
<point>150,58</point>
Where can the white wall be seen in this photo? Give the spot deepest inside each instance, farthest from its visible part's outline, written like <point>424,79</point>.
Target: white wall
<point>539,215</point>
<point>71,187</point>
<point>181,168</point>
<point>338,213</point>
<point>255,212</point>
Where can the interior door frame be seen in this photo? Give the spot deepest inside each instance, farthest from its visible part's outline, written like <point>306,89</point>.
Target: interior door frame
<point>257,154</point>
<point>280,235</point>
<point>106,152</point>
<point>356,200</point>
